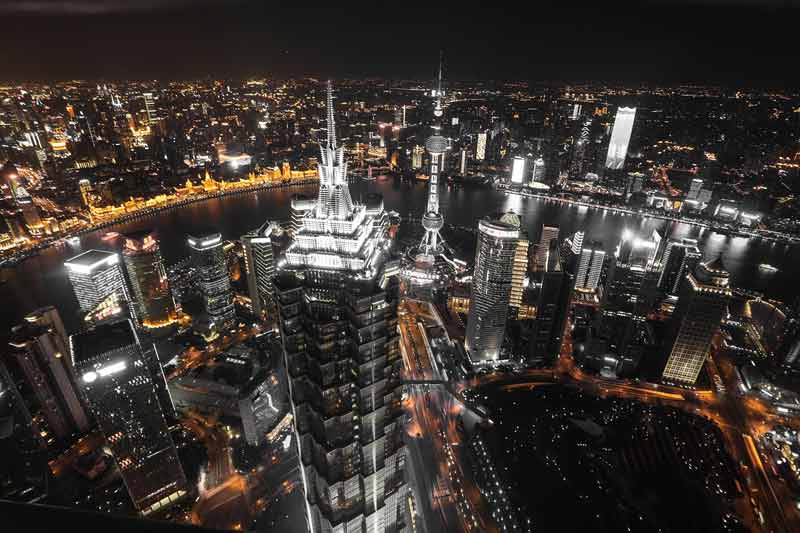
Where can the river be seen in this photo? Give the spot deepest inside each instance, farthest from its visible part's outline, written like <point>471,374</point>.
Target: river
<point>42,280</point>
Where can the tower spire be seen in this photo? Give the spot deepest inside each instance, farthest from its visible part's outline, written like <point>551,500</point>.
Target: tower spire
<point>438,109</point>
<point>331,124</point>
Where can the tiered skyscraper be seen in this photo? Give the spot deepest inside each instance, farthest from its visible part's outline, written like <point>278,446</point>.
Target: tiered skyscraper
<point>213,280</point>
<point>339,333</point>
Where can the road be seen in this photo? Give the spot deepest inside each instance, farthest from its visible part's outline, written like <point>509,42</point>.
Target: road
<point>742,420</point>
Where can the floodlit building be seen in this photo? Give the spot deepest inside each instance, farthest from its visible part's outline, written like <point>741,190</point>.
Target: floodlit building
<point>491,287</point>
<point>338,328</point>
<point>620,137</point>
<point>702,305</point>
<point>98,282</point>
<point>260,265</point>
<point>518,169</point>
<point>38,361</point>
<point>548,234</point>
<point>116,380</point>
<point>153,305</point>
<point>590,265</point>
<point>213,281</point>
<point>480,148</point>
<point>680,258</point>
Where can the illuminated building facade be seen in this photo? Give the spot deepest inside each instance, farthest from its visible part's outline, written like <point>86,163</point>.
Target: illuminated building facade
<point>260,264</point>
<point>680,258</point>
<point>702,305</point>
<point>98,282</point>
<point>480,148</point>
<point>338,329</point>
<point>543,248</point>
<point>208,258</point>
<point>491,287</point>
<point>590,265</point>
<point>153,305</point>
<point>620,137</point>
<point>112,369</point>
<point>519,273</point>
<point>300,205</point>
<point>538,171</point>
<point>150,108</point>
<point>518,169</point>
<point>553,285</point>
<point>38,360</point>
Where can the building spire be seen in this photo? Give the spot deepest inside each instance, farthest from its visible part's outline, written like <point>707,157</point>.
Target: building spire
<point>438,109</point>
<point>331,124</point>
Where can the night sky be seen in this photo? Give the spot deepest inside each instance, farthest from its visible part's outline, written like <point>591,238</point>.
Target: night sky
<point>735,42</point>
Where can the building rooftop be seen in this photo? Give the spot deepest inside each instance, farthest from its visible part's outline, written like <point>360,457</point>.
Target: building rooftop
<point>104,338</point>
<point>91,259</point>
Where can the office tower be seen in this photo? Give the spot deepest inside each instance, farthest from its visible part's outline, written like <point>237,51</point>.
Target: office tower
<point>620,137</point>
<point>480,148</point>
<point>462,162</point>
<point>635,184</point>
<point>519,272</point>
<point>579,165</point>
<point>300,205</point>
<point>213,281</point>
<point>261,404</point>
<point>432,244</point>
<point>150,108</point>
<point>116,382</point>
<point>416,157</point>
<point>554,288</point>
<point>702,305</point>
<point>260,265</point>
<point>153,305</point>
<point>634,264</point>
<point>491,287</point>
<point>98,283</point>
<point>87,191</point>
<point>538,172</point>
<point>518,169</point>
<point>694,189</point>
<point>577,242</point>
<point>680,258</point>
<point>543,248</point>
<point>590,266</point>
<point>38,360</point>
<point>339,335</point>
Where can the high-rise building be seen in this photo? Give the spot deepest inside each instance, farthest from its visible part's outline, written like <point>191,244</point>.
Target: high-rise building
<point>150,108</point>
<point>119,387</point>
<point>680,258</point>
<point>620,137</point>
<point>480,148</point>
<point>554,288</point>
<point>518,169</point>
<point>702,305</point>
<point>208,258</point>
<point>543,248</point>
<point>98,283</point>
<point>39,363</point>
<point>417,154</point>
<point>260,266</point>
<point>520,271</point>
<point>634,269</point>
<point>590,266</point>
<point>491,287</point>
<point>462,162</point>
<point>694,189</point>
<point>538,171</point>
<point>338,329</point>
<point>300,205</point>
<point>153,306</point>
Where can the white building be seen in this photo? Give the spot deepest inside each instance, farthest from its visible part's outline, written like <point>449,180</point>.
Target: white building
<point>620,137</point>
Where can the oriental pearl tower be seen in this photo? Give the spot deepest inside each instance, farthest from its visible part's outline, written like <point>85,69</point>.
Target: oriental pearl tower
<point>432,245</point>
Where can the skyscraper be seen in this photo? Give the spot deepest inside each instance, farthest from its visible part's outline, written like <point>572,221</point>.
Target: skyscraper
<point>480,148</point>
<point>150,108</point>
<point>520,271</point>
<point>518,169</point>
<point>543,248</point>
<point>122,396</point>
<point>538,171</point>
<point>212,277</point>
<point>491,287</point>
<point>40,363</point>
<point>554,287</point>
<point>260,265</point>
<point>590,265</point>
<point>98,282</point>
<point>620,137</point>
<point>153,304</point>
<point>339,334</point>
<point>300,205</point>
<point>680,258</point>
<point>702,305</point>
